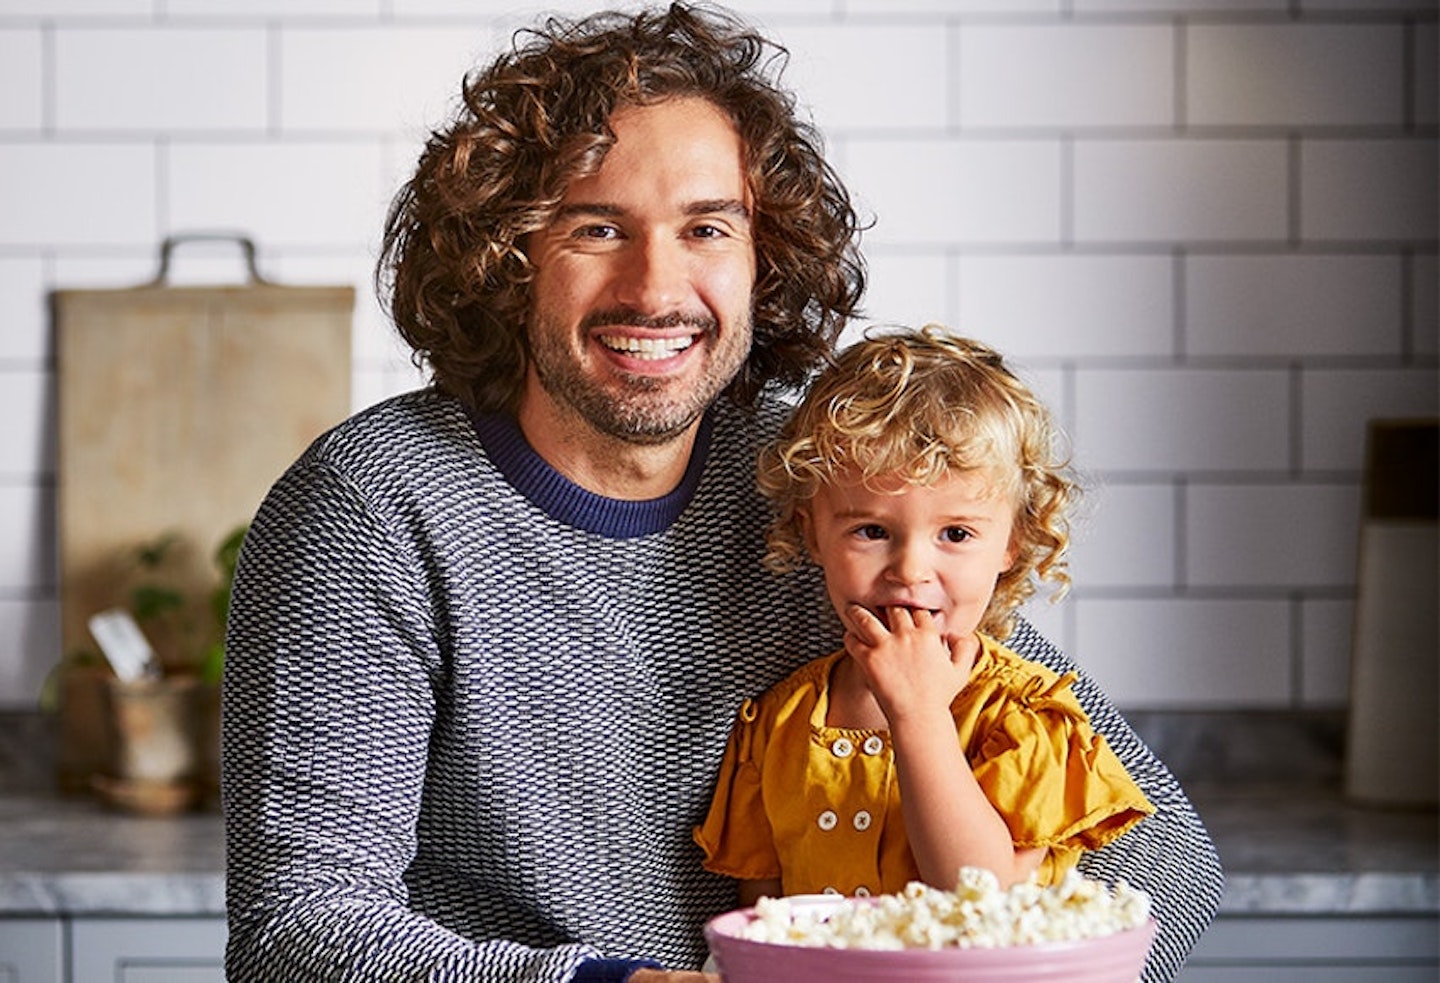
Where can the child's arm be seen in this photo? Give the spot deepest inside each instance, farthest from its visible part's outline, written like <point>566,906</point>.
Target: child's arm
<point>914,676</point>
<point>948,818</point>
<point>752,891</point>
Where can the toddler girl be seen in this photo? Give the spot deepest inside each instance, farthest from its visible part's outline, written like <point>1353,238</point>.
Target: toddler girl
<point>924,479</point>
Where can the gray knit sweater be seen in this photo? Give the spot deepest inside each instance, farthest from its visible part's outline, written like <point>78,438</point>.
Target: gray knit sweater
<point>471,711</point>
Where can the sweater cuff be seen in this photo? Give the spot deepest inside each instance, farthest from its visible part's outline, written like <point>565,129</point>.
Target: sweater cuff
<point>611,970</point>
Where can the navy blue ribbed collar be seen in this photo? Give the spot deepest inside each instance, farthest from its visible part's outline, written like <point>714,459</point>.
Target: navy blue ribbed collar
<point>564,501</point>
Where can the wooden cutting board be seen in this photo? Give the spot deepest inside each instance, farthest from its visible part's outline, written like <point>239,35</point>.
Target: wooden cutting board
<point>178,407</point>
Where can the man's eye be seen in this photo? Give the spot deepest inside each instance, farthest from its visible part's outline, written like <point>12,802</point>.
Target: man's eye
<point>597,232</point>
<point>707,232</point>
<point>954,534</point>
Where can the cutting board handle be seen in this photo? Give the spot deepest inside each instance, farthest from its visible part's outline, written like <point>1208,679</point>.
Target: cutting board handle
<point>246,244</point>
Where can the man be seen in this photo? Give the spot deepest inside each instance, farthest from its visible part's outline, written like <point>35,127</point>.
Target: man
<point>487,639</point>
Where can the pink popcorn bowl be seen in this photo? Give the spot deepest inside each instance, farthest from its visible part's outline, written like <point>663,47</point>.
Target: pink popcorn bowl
<point>1116,958</point>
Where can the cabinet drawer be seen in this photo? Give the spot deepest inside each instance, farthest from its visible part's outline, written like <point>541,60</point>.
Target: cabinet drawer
<point>31,950</point>
<point>1271,973</point>
<point>1400,949</point>
<point>148,950</point>
<point>1321,941</point>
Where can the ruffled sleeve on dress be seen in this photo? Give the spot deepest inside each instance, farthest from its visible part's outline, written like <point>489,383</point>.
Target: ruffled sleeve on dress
<point>736,834</point>
<point>1057,782</point>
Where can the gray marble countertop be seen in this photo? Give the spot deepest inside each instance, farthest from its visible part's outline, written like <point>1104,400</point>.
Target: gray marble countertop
<point>73,855</point>
<point>1302,849</point>
<point>1286,850</point>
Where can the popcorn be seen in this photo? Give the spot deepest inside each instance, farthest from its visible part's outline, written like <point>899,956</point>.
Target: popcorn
<point>976,914</point>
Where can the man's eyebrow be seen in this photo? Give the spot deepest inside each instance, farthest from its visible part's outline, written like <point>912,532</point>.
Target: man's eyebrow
<point>720,206</point>
<point>708,206</point>
<point>588,208</point>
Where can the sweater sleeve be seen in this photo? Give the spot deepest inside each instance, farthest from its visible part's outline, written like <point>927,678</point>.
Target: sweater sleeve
<point>611,970</point>
<point>329,696</point>
<point>1168,854</point>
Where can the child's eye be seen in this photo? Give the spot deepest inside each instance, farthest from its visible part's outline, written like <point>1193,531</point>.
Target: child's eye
<point>954,534</point>
<point>871,531</point>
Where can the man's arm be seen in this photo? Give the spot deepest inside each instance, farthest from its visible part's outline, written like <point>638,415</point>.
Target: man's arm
<point>1170,854</point>
<point>330,695</point>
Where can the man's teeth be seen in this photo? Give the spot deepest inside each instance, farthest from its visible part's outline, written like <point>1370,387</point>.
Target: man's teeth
<point>647,347</point>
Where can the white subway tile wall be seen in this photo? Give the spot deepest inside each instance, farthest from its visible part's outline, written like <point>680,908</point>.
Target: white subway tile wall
<point>1287,75</point>
<point>83,194</point>
<point>124,80</point>
<point>1087,305</point>
<point>1182,651</point>
<point>1181,192</point>
<point>1337,402</point>
<point>356,90</point>
<point>1253,306</point>
<point>1066,75</point>
<point>1188,420</point>
<point>1324,641</point>
<point>1263,537</point>
<point>954,191</point>
<point>1205,229</point>
<point>1366,190</point>
<point>20,61</point>
<point>1423,335</point>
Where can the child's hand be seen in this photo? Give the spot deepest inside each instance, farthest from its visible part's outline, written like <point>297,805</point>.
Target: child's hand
<point>909,666</point>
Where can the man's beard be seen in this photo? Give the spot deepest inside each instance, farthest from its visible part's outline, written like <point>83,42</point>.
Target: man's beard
<point>638,411</point>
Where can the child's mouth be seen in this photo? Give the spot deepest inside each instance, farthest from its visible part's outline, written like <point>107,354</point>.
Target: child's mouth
<point>884,611</point>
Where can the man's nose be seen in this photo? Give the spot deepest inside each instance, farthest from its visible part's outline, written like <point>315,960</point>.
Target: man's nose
<point>652,277</point>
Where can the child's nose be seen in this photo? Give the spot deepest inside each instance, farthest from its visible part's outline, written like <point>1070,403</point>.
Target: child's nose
<point>911,564</point>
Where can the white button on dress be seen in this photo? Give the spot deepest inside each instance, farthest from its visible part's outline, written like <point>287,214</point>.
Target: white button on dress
<point>827,820</point>
<point>842,747</point>
<point>862,820</point>
<point>873,745</point>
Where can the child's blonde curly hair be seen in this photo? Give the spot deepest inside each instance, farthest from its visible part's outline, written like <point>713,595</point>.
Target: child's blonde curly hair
<point>920,405</point>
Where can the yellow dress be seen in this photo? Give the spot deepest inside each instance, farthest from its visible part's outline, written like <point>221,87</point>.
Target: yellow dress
<point>819,807</point>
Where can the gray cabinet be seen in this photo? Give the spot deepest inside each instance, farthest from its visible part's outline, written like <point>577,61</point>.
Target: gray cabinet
<point>1316,949</point>
<point>32,950</point>
<point>147,950</point>
<point>112,950</point>
<point>1236,949</point>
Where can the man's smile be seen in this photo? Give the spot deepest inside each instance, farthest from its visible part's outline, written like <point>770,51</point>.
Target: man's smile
<point>645,348</point>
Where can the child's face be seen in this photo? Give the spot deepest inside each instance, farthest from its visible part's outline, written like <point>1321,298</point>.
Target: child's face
<point>939,547</point>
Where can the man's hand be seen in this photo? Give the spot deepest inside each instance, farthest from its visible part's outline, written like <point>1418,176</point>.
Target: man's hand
<point>667,976</point>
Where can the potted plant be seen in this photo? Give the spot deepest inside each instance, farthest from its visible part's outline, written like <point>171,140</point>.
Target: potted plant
<point>161,728</point>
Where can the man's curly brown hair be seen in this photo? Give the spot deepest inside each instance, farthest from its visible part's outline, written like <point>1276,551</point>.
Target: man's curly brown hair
<point>453,262</point>
<point>916,407</point>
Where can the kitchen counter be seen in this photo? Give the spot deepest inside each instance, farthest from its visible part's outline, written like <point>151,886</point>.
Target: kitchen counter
<point>1302,850</point>
<point>1287,850</point>
<point>75,856</point>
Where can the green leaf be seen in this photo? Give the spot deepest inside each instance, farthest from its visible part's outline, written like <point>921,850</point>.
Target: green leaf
<point>150,601</point>
<point>153,554</point>
<point>212,665</point>
<point>227,554</point>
